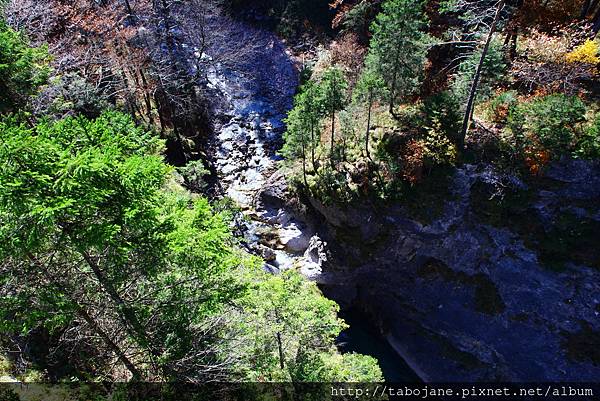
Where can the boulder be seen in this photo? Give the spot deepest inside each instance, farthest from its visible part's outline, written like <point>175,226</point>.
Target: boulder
<point>293,239</point>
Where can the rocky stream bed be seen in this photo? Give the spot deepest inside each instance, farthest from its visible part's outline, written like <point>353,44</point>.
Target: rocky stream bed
<point>475,284</point>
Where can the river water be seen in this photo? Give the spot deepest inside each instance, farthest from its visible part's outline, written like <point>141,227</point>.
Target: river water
<point>254,96</point>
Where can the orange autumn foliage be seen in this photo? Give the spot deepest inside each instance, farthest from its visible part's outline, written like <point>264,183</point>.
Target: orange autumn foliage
<point>536,159</point>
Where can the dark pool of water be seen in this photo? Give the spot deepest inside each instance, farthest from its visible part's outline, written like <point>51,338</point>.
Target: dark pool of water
<point>362,338</point>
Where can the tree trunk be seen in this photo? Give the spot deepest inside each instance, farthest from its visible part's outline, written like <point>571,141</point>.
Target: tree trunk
<point>128,7</point>
<point>129,317</point>
<point>312,146</point>
<point>368,124</point>
<point>332,138</point>
<point>89,320</point>
<point>477,77</point>
<point>512,54</point>
<point>591,7</point>
<point>596,22</point>
<point>146,89</point>
<point>393,87</point>
<point>280,348</point>
<point>584,9</point>
<point>109,342</point>
<point>304,162</point>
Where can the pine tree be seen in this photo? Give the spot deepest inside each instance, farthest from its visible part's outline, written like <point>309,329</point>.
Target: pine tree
<point>295,138</point>
<point>399,47</point>
<point>370,86</point>
<point>22,69</point>
<point>333,98</point>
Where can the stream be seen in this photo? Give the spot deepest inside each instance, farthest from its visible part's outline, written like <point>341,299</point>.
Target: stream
<point>253,100</point>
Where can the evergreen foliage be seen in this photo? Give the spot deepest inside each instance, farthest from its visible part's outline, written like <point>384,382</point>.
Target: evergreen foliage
<point>398,48</point>
<point>23,69</point>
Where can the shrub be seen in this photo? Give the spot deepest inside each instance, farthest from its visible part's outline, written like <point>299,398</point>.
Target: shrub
<point>410,118</point>
<point>438,150</point>
<point>493,72</point>
<point>23,69</point>
<point>585,53</point>
<point>72,93</point>
<point>442,111</point>
<point>589,145</point>
<point>501,105</point>
<point>194,173</point>
<point>549,123</point>
<point>413,161</point>
<point>540,47</point>
<point>6,366</point>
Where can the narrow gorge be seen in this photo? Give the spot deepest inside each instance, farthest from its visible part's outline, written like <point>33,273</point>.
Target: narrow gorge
<point>458,290</point>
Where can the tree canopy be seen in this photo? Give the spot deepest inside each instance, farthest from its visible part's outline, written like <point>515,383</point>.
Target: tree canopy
<point>22,69</point>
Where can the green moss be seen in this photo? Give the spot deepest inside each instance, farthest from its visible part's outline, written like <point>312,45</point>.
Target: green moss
<point>32,376</point>
<point>6,366</point>
<point>8,394</point>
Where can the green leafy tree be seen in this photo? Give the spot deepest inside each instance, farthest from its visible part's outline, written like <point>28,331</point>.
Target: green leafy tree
<point>481,21</point>
<point>23,69</point>
<point>589,144</point>
<point>295,138</point>
<point>92,244</point>
<point>302,126</point>
<point>358,19</point>
<point>552,123</point>
<point>296,329</point>
<point>398,48</point>
<point>492,72</point>
<point>333,88</point>
<point>309,104</point>
<point>442,112</point>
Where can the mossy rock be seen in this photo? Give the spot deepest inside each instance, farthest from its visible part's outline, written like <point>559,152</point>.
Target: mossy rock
<point>567,238</point>
<point>8,394</point>
<point>6,366</point>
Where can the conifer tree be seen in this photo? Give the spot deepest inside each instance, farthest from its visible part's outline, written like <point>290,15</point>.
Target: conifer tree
<point>398,48</point>
<point>333,98</point>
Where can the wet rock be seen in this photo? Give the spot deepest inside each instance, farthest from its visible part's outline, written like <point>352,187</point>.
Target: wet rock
<point>275,193</point>
<point>317,251</point>
<point>315,258</point>
<point>267,254</point>
<point>269,268</point>
<point>293,239</point>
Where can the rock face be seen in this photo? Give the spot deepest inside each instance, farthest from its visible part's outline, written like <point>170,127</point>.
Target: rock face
<point>315,258</point>
<point>496,279</point>
<point>502,284</point>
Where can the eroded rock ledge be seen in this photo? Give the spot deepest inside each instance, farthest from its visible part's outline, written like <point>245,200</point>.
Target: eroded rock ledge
<point>502,284</point>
